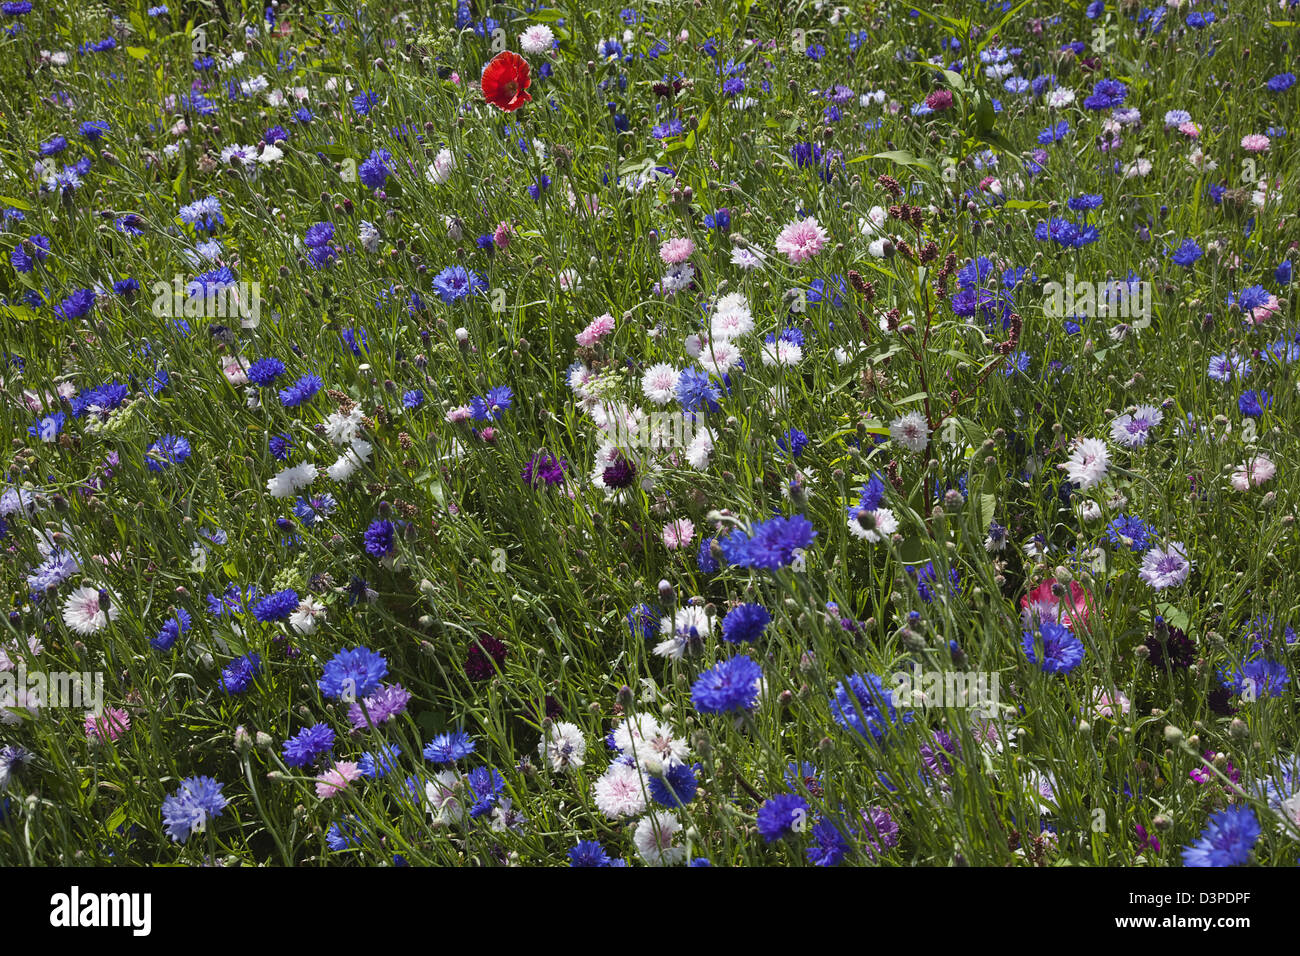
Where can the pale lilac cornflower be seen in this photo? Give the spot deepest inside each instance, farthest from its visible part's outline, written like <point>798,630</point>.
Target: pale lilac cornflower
<point>1132,431</point>
<point>1088,463</point>
<point>1166,567</point>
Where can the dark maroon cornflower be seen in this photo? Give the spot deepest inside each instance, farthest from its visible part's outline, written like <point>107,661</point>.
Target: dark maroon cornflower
<point>1176,650</point>
<point>544,467</point>
<point>485,655</point>
<point>619,472</point>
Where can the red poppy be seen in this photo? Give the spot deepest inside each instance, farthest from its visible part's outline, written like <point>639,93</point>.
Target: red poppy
<point>505,81</point>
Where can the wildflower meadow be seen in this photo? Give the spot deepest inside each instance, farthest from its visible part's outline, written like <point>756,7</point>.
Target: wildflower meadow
<point>701,432</point>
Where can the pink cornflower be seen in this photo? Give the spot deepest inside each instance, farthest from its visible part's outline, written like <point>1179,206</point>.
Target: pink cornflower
<point>110,725</point>
<point>336,780</point>
<point>501,238</point>
<point>1255,143</point>
<point>596,330</point>
<point>802,239</point>
<point>1254,471</point>
<point>1189,129</point>
<point>458,414</point>
<point>1262,313</point>
<point>674,251</point>
<point>678,534</point>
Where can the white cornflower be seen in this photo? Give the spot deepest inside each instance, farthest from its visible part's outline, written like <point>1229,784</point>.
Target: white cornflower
<point>563,746</point>
<point>342,429</point>
<point>659,383</point>
<point>88,610</point>
<point>620,791</point>
<point>440,169</point>
<point>308,615</point>
<point>1088,463</point>
<point>880,524</point>
<point>537,39</point>
<point>289,481</point>
<point>731,317</point>
<point>911,431</point>
<point>350,461</point>
<point>654,839</point>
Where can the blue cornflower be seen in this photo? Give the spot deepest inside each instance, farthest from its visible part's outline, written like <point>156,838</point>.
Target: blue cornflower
<point>695,391</point>
<point>379,538</point>
<point>265,371</point>
<point>308,745</point>
<point>171,630</point>
<point>1187,253</point>
<point>76,305</point>
<point>1257,678</point>
<point>588,853</point>
<point>198,800</point>
<point>1253,403</point>
<point>311,510</point>
<point>728,686</point>
<point>793,442</point>
<point>279,446</point>
<point>1281,83</point>
<point>353,674</point>
<point>1061,652</point>
<point>781,816</point>
<point>489,407</point>
<point>486,787</point>
<point>239,673</point>
<point>456,282</point>
<point>676,787</point>
<point>862,703</point>
<point>167,451</point>
<point>745,622</point>
<point>1129,531</point>
<point>1227,839</point>
<point>277,606</point>
<point>829,845</point>
<point>301,391</point>
<point>30,251</point>
<point>704,558</point>
<point>643,622</point>
<point>374,172</point>
<point>449,747</point>
<point>1107,94</point>
<point>769,544</point>
<point>380,763</point>
<point>412,399</point>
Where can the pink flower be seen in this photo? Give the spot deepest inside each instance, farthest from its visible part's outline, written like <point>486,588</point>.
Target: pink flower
<point>674,251</point>
<point>1262,313</point>
<point>1255,143</point>
<point>113,723</point>
<point>1255,472</point>
<point>801,240</point>
<point>939,100</point>
<point>598,329</point>
<point>1190,130</point>
<point>678,534</point>
<point>1041,603</point>
<point>458,414</point>
<point>501,238</point>
<point>335,781</point>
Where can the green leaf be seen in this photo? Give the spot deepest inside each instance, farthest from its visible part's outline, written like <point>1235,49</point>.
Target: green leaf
<point>16,203</point>
<point>138,52</point>
<point>900,156</point>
